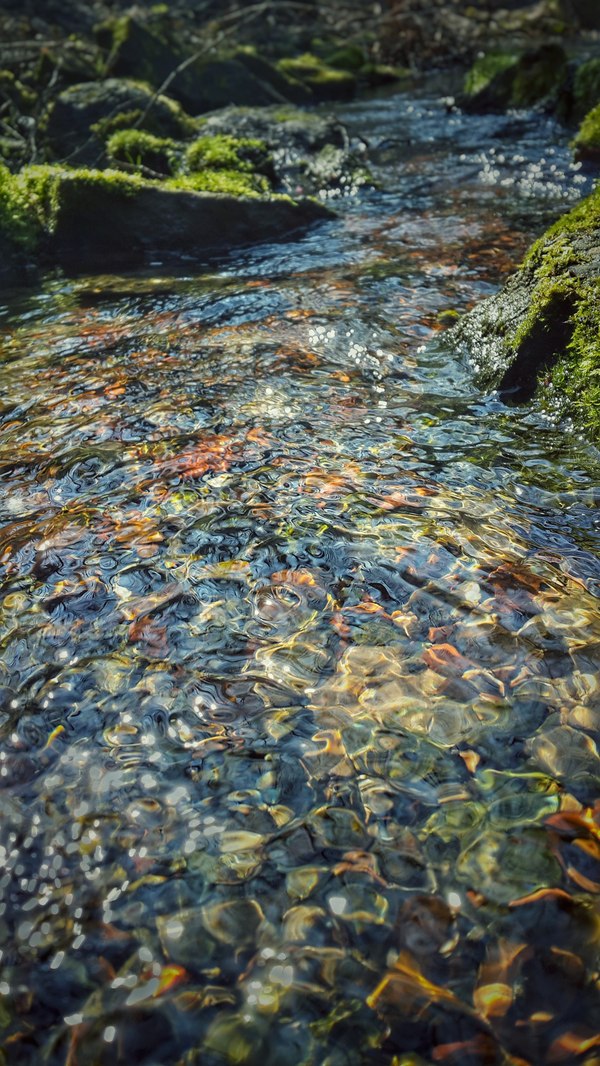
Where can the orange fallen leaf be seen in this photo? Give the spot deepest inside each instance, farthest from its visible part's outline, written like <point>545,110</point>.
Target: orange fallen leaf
<point>170,976</point>
<point>569,1045</point>
<point>293,577</point>
<point>445,658</point>
<point>540,894</point>
<point>471,760</point>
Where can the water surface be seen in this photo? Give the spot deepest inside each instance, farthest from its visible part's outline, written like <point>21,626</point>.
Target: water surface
<point>300,646</point>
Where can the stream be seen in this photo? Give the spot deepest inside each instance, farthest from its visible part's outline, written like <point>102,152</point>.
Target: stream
<point>300,666</point>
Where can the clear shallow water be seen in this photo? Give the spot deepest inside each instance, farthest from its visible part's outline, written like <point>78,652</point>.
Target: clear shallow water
<point>300,647</point>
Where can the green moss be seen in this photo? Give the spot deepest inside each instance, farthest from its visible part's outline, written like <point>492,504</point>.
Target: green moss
<point>538,76</point>
<point>30,200</point>
<point>485,69</point>
<point>224,182</point>
<point>142,149</point>
<point>582,218</point>
<point>318,75</point>
<point>124,120</point>
<point>586,87</point>
<point>295,114</point>
<point>576,376</point>
<point>27,205</point>
<point>13,91</point>
<point>586,144</point>
<point>350,58</point>
<point>382,73</point>
<point>221,151</point>
<point>573,384</point>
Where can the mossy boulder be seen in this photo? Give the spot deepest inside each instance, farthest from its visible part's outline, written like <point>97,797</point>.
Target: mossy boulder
<point>284,88</point>
<point>350,57</point>
<point>84,218</point>
<point>277,127</point>
<point>139,149</point>
<point>501,80</point>
<point>586,88</point>
<point>325,82</point>
<point>133,49</point>
<point>225,152</point>
<point>540,335</point>
<point>586,145</point>
<point>226,182</point>
<point>136,50</point>
<point>84,116</point>
<point>307,152</point>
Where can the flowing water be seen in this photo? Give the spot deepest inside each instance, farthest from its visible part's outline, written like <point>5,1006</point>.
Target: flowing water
<point>300,651</point>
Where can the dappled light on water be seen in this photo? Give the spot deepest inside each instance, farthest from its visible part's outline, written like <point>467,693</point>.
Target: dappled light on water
<point>299,658</point>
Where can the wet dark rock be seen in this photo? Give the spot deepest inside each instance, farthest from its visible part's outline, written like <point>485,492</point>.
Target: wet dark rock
<point>586,13</point>
<point>201,84</point>
<point>283,87</point>
<point>296,129</point>
<point>324,82</point>
<point>311,152</point>
<point>500,80</point>
<point>84,115</point>
<point>539,335</point>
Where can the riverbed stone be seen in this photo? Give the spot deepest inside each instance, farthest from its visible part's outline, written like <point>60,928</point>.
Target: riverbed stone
<point>539,336</point>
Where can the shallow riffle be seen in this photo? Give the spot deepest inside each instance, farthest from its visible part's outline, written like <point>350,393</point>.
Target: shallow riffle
<point>300,641</point>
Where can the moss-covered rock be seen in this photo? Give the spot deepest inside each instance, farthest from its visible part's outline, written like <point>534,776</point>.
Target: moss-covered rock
<point>305,151</point>
<point>82,218</point>
<point>284,88</point>
<point>540,336</point>
<point>350,57</point>
<point>586,88</point>
<point>278,127</point>
<point>84,116</point>
<point>136,50</point>
<point>324,81</point>
<point>137,148</point>
<point>223,151</point>
<point>225,182</point>
<point>500,80</point>
<point>586,145</point>
<point>132,49</point>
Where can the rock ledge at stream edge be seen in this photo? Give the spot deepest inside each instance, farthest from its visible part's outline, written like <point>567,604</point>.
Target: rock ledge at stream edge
<point>84,218</point>
<point>540,335</point>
